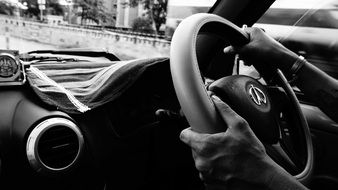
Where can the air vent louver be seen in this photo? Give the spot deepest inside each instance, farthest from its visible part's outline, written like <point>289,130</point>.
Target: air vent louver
<point>54,145</point>
<point>58,147</point>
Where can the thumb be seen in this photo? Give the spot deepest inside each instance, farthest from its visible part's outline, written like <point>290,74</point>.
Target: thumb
<point>235,123</point>
<point>229,50</point>
<point>229,116</point>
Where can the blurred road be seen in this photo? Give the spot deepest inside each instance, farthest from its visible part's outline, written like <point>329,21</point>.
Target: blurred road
<point>23,45</point>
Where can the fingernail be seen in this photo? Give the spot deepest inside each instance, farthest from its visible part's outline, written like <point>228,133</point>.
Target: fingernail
<point>216,97</point>
<point>182,135</point>
<point>227,49</point>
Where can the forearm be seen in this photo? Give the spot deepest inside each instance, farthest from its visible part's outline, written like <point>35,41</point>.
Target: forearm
<point>314,83</point>
<point>321,88</point>
<point>281,180</point>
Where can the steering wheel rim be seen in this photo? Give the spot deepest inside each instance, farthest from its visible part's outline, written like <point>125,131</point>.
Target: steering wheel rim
<point>193,97</point>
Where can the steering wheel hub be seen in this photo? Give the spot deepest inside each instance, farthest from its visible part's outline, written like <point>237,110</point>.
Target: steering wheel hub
<point>248,98</point>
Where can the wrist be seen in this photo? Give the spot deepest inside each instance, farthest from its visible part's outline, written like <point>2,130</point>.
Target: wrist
<point>287,60</point>
<point>269,172</point>
<point>278,178</point>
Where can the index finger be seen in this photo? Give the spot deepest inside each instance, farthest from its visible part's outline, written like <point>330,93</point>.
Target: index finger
<point>229,116</point>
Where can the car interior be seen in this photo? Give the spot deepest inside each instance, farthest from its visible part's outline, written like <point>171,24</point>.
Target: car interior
<point>133,141</point>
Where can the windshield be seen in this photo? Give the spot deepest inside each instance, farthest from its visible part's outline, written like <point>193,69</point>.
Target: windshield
<point>142,29</point>
<point>129,29</point>
<point>307,27</point>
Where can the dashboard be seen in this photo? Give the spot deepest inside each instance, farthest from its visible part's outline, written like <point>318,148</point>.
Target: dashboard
<point>123,144</point>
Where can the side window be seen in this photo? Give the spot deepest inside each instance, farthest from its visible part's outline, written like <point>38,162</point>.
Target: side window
<point>308,27</point>
<point>281,16</point>
<point>322,18</point>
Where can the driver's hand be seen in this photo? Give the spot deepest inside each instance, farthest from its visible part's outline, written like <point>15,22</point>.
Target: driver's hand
<point>264,52</point>
<point>236,154</point>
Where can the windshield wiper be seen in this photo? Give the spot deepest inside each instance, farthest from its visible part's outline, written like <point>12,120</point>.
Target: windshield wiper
<point>36,59</point>
<point>88,52</point>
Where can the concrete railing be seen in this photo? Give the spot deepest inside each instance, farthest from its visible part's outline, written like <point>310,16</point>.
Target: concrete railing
<point>126,45</point>
<point>118,30</point>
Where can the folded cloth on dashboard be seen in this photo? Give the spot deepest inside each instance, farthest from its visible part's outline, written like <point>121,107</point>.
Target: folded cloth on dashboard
<point>76,87</point>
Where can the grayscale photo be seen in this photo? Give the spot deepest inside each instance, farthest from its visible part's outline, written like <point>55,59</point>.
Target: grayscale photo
<point>168,94</point>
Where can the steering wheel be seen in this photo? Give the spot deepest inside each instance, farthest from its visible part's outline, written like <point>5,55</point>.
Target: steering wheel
<point>281,127</point>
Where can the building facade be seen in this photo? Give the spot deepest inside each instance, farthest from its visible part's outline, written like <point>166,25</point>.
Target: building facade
<point>122,13</point>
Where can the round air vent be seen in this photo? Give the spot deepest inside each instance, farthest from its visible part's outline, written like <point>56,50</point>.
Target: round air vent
<point>54,145</point>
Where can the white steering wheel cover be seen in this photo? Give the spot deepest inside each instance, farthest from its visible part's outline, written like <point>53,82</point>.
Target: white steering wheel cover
<point>190,89</point>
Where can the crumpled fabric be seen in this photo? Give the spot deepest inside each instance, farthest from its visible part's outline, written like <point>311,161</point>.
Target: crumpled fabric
<point>77,87</point>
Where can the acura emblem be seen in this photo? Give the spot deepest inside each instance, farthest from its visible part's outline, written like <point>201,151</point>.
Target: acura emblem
<point>257,95</point>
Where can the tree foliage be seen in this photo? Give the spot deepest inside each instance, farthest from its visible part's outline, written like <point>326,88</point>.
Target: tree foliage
<point>93,10</point>
<point>32,9</point>
<point>142,25</point>
<point>6,8</point>
<point>156,10</point>
<point>52,7</point>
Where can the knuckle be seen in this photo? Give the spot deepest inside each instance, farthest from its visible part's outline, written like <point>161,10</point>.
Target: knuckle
<point>203,149</point>
<point>229,140</point>
<point>220,140</point>
<point>201,176</point>
<point>228,177</point>
<point>202,165</point>
<point>241,123</point>
<point>182,135</point>
<point>257,30</point>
